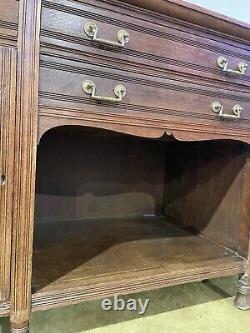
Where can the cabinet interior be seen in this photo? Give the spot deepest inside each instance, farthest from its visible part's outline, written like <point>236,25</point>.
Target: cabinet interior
<point>112,209</point>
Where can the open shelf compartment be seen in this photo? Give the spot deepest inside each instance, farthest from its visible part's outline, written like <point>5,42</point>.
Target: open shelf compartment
<point>117,214</point>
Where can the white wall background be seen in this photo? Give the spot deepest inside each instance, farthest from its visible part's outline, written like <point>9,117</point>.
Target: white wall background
<point>239,9</point>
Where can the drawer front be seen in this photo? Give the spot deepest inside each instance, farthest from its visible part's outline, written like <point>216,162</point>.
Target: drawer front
<point>97,29</point>
<point>92,88</point>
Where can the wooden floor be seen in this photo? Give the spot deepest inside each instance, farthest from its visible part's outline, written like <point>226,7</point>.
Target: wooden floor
<point>81,260</point>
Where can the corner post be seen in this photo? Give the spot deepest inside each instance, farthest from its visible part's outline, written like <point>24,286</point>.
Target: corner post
<point>25,162</point>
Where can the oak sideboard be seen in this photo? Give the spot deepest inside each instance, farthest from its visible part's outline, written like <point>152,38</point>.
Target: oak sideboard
<point>125,159</point>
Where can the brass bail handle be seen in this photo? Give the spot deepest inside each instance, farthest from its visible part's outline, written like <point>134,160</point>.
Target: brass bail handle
<point>89,88</point>
<point>223,64</point>
<point>91,30</point>
<point>218,108</point>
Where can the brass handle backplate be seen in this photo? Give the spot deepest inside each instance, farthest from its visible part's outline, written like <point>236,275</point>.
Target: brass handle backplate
<point>90,88</point>
<point>91,30</point>
<point>223,64</point>
<point>218,108</point>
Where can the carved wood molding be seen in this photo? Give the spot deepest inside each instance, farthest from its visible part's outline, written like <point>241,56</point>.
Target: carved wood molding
<point>135,125</point>
<point>25,159</point>
<point>7,124</point>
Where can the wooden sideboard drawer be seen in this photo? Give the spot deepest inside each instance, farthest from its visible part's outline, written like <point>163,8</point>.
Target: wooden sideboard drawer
<point>61,85</point>
<point>157,43</point>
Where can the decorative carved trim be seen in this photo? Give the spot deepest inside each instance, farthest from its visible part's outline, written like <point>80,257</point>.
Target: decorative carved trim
<point>25,160</point>
<point>135,125</point>
<point>7,124</point>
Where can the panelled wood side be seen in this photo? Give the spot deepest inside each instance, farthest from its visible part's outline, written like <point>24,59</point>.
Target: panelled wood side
<point>7,125</point>
<point>210,192</point>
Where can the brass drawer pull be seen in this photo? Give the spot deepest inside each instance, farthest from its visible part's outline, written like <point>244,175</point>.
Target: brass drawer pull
<point>91,30</point>
<point>223,63</point>
<point>90,88</point>
<point>218,108</point>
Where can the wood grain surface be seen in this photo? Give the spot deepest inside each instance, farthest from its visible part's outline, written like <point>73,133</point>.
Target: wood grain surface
<point>25,162</point>
<point>85,260</point>
<point>7,126</point>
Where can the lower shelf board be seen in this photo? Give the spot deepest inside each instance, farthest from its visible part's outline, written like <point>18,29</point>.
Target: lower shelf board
<point>75,261</point>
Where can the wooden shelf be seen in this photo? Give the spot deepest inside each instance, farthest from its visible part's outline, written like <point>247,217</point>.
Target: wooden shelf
<point>83,260</point>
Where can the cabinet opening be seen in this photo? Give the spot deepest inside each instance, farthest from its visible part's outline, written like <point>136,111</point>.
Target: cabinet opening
<point>113,211</point>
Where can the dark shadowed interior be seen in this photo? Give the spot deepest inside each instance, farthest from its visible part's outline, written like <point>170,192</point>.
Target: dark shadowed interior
<point>109,205</point>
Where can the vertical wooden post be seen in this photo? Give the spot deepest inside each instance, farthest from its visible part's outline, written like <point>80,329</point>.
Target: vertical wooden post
<point>25,162</point>
<point>7,124</point>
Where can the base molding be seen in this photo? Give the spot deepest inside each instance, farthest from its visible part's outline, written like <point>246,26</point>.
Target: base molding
<point>21,328</point>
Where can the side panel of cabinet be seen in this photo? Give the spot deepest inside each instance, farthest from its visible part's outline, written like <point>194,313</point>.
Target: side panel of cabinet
<point>7,127</point>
